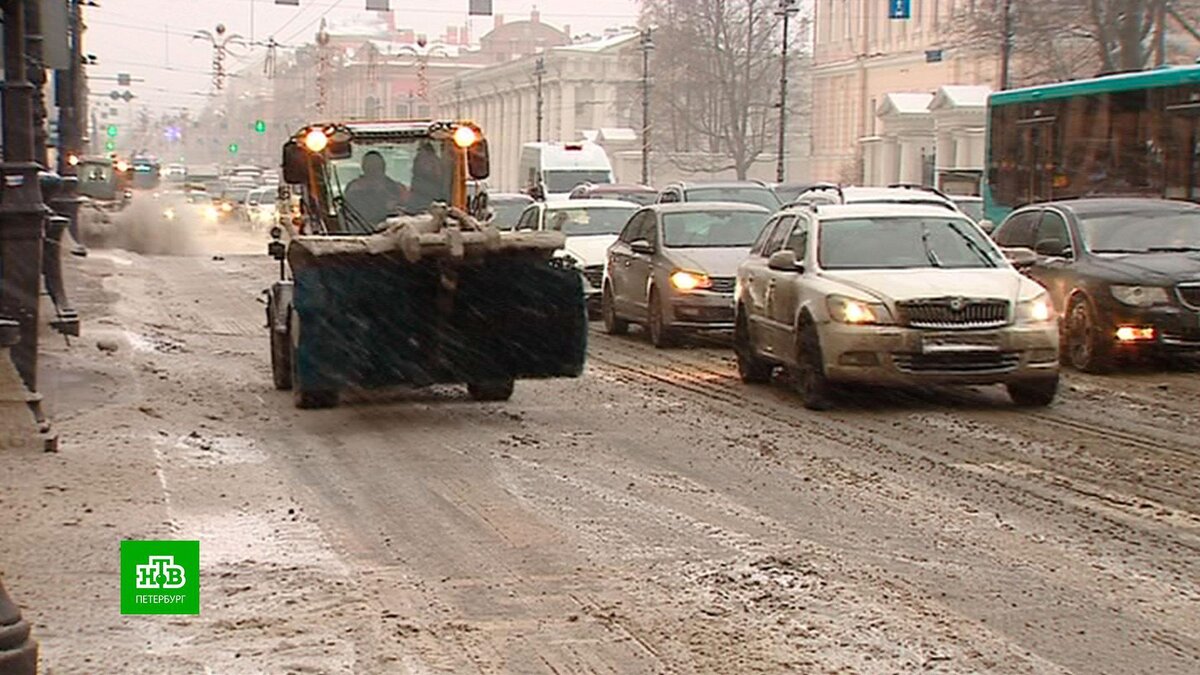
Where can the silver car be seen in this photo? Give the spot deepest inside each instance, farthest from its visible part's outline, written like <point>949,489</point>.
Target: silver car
<point>673,267</point>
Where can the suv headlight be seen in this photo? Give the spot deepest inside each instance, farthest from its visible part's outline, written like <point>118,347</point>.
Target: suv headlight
<point>684,280</point>
<point>859,312</point>
<point>1036,310</point>
<point>1140,296</point>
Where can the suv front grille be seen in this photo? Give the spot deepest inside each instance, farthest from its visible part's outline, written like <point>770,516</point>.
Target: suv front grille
<point>953,313</point>
<point>1189,294</point>
<point>594,275</point>
<point>722,284</point>
<point>961,362</point>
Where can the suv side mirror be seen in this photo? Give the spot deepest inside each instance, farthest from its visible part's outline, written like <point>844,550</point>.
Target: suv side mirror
<point>1020,257</point>
<point>642,247</point>
<point>784,261</point>
<point>1052,248</point>
<point>987,226</point>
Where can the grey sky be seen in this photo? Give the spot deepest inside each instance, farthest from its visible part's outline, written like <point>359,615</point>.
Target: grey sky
<point>150,39</point>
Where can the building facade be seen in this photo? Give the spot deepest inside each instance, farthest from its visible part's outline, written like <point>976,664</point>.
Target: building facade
<point>860,57</point>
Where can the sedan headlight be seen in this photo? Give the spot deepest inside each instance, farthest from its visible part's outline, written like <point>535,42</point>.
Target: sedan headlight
<point>1036,310</point>
<point>860,312</point>
<point>211,213</point>
<point>1140,296</point>
<point>684,280</point>
<point>169,213</point>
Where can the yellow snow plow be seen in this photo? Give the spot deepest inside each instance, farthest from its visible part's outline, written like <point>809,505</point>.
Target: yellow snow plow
<point>388,275</point>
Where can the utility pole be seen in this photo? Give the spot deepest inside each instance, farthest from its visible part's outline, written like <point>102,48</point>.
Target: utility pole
<point>1006,47</point>
<point>647,44</point>
<point>539,70</point>
<point>787,9</point>
<point>1160,34</point>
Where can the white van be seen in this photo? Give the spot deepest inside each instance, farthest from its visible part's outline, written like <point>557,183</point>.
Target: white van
<point>559,167</point>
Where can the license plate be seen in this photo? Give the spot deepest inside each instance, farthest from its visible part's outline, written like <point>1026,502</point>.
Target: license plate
<point>960,342</point>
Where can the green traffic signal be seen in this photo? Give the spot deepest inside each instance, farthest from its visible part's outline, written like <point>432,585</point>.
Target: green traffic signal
<point>233,148</point>
<point>260,126</point>
<point>112,131</point>
<point>110,146</point>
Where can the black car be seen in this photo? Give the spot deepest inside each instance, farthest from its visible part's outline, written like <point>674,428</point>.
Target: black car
<point>1123,273</point>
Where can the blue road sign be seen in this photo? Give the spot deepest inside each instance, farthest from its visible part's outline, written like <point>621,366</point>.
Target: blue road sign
<point>899,9</point>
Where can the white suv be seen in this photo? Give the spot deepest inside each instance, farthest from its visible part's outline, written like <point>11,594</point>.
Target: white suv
<point>890,295</point>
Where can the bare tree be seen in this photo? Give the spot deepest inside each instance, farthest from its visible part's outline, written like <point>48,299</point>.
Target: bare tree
<point>716,66</point>
<point>1066,39</point>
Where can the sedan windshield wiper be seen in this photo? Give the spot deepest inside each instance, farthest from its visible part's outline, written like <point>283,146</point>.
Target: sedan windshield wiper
<point>933,258</point>
<point>972,244</point>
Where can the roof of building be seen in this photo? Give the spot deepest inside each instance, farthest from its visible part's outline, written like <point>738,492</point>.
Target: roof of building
<point>960,96</point>
<point>523,31</point>
<point>603,43</point>
<point>905,103</point>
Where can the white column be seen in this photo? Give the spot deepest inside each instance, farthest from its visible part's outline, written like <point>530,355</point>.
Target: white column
<point>567,103</point>
<point>889,164</point>
<point>910,161</point>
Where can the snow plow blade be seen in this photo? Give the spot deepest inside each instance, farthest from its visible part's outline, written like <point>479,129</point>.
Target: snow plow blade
<point>423,302</point>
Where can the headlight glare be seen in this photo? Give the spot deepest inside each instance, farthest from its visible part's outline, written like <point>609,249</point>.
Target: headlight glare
<point>1140,296</point>
<point>860,312</point>
<point>1036,310</point>
<point>684,280</point>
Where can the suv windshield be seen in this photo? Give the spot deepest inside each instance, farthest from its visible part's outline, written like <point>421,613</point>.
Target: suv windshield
<point>712,229</point>
<point>565,181</point>
<point>392,177</point>
<point>887,242</point>
<point>759,196</point>
<point>1144,231</point>
<point>505,212</point>
<point>584,221</point>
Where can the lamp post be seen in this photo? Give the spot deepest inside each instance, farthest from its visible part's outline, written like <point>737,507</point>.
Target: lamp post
<point>647,44</point>
<point>787,9</point>
<point>220,43</point>
<point>1006,47</point>
<point>539,71</point>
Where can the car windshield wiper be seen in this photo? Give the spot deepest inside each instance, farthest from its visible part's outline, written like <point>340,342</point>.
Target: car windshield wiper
<point>933,258</point>
<point>972,244</point>
<point>1173,249</point>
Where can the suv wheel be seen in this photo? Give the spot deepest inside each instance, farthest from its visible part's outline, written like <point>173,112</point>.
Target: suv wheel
<point>661,335</point>
<point>751,368</point>
<point>613,324</point>
<point>809,373</point>
<point>1087,347</point>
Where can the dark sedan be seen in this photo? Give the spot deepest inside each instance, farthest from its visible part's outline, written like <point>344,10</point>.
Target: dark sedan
<point>1123,273</point>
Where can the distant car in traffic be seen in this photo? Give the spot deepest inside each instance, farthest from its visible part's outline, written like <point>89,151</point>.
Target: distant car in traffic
<point>261,208</point>
<point>890,295</point>
<point>789,192</point>
<point>1124,273</point>
<point>591,226</point>
<point>742,192</point>
<point>972,207</point>
<point>672,268</point>
<point>507,208</point>
<point>829,193</point>
<point>642,195</point>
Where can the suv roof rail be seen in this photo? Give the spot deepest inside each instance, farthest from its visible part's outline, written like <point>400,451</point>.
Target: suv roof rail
<point>822,187</point>
<point>917,186</point>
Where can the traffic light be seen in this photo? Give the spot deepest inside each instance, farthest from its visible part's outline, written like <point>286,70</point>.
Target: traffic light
<point>233,148</point>
<point>110,146</point>
<point>112,131</point>
<point>260,127</point>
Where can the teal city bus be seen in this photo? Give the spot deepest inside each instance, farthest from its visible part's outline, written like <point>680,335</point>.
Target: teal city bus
<point>1133,134</point>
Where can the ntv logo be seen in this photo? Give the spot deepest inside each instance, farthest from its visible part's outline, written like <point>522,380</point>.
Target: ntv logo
<point>160,571</point>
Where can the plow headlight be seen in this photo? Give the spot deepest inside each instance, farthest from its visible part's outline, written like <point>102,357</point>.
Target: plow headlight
<point>316,140</point>
<point>465,137</point>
